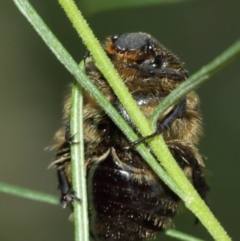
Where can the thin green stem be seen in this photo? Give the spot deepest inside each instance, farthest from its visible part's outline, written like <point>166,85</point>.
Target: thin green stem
<point>180,235</point>
<point>78,166</point>
<point>219,63</point>
<point>28,193</point>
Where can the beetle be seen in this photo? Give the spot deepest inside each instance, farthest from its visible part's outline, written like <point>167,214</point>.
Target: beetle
<point>127,200</point>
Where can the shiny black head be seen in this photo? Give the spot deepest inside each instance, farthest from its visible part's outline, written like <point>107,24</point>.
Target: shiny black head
<point>135,41</point>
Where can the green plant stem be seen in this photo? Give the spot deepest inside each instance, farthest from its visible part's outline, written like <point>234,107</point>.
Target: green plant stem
<point>78,165</point>
<point>219,63</point>
<point>28,193</point>
<point>180,235</point>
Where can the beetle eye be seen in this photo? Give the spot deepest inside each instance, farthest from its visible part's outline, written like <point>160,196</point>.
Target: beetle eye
<point>115,38</point>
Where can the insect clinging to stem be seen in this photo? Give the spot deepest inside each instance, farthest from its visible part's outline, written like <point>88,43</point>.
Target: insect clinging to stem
<point>127,200</point>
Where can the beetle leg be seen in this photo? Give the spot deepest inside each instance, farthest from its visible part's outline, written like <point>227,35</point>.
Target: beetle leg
<point>177,112</point>
<point>166,123</point>
<point>63,158</point>
<point>67,194</point>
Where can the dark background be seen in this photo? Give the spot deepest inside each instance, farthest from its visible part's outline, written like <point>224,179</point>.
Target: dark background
<point>33,84</point>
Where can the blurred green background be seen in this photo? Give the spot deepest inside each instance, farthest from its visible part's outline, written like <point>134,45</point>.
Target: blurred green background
<point>33,84</point>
